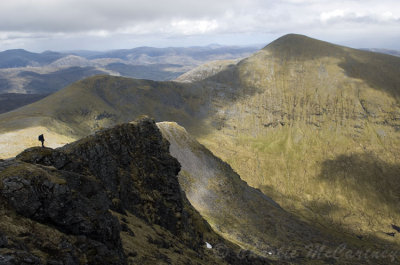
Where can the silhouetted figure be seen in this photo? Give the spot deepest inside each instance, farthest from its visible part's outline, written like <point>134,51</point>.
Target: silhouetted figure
<point>41,138</point>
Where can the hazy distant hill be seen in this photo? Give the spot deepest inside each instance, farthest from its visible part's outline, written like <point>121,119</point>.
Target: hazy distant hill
<point>385,51</point>
<point>35,73</point>
<point>48,83</point>
<point>26,72</point>
<point>314,126</point>
<point>23,58</point>
<point>145,55</point>
<point>206,70</point>
<point>156,72</point>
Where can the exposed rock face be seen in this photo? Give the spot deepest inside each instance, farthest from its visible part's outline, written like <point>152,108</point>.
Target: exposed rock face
<point>71,205</point>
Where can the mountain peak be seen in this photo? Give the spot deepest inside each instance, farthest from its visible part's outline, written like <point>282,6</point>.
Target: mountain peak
<point>294,36</point>
<point>296,45</point>
<point>16,51</point>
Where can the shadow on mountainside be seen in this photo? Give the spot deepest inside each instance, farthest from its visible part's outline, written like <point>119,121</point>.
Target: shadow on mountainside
<point>379,71</point>
<point>366,177</point>
<point>367,188</point>
<point>345,240</point>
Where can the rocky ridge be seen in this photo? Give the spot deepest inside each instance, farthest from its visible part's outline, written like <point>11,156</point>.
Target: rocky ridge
<point>110,198</point>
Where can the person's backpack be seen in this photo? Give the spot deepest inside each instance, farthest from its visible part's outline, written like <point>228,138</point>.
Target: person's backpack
<point>41,137</point>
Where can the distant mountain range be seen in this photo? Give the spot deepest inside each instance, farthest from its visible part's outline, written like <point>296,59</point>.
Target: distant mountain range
<point>22,58</point>
<point>26,72</point>
<point>35,73</point>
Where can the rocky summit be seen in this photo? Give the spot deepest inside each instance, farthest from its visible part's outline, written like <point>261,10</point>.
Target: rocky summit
<point>110,198</point>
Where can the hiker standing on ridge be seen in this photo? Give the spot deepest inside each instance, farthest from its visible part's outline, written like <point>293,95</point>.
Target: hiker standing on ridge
<point>41,138</point>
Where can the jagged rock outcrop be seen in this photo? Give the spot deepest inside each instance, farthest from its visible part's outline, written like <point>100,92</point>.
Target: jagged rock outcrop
<point>110,198</point>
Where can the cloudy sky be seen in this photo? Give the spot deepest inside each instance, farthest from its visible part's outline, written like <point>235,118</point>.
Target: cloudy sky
<point>39,25</point>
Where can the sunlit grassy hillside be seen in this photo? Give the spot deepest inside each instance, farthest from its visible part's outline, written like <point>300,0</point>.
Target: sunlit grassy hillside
<point>318,129</point>
<point>246,216</point>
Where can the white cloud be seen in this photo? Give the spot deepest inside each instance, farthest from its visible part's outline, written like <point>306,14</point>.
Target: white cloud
<point>334,14</point>
<point>191,27</point>
<point>388,16</point>
<point>42,23</point>
<point>346,15</point>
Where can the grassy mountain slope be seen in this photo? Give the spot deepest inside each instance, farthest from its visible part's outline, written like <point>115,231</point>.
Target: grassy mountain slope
<point>318,131</point>
<point>12,101</point>
<point>243,214</point>
<point>102,101</point>
<point>54,81</point>
<point>313,125</point>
